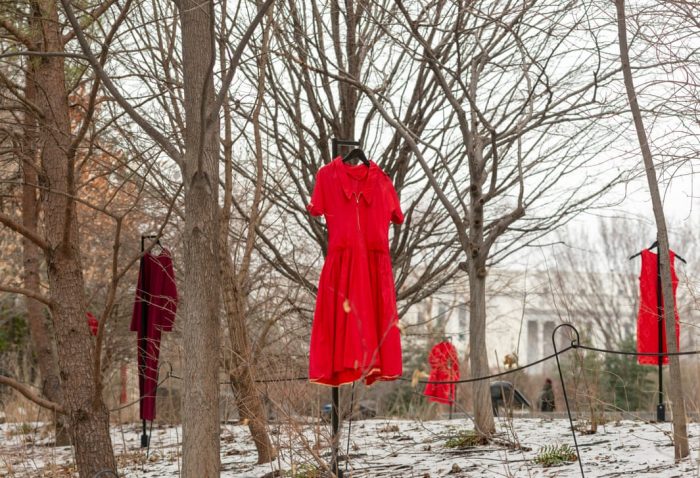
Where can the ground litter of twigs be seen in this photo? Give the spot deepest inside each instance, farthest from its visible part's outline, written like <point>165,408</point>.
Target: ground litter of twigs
<point>378,448</point>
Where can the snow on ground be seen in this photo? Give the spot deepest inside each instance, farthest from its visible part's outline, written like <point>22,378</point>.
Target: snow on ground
<point>378,448</point>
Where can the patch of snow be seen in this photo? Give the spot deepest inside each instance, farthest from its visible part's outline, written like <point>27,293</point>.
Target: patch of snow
<point>378,448</point>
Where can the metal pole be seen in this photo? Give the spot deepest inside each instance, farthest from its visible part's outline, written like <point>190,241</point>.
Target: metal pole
<point>661,407</point>
<point>336,143</point>
<point>335,425</point>
<point>352,404</point>
<point>574,343</point>
<point>143,342</point>
<point>335,418</point>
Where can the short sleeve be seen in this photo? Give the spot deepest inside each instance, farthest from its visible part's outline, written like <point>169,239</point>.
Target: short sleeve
<point>317,206</point>
<point>396,213</point>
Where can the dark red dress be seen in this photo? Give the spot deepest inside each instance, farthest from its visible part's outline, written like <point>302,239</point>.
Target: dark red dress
<point>355,330</point>
<point>156,287</point>
<point>648,319</point>
<point>444,366</point>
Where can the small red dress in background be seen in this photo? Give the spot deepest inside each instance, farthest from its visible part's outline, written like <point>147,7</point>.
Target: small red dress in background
<point>444,367</point>
<point>355,330</point>
<point>648,318</point>
<point>156,291</point>
<point>93,323</point>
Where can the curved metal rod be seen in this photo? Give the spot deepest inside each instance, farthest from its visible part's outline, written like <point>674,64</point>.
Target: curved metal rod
<point>155,393</point>
<point>170,366</point>
<point>574,344</point>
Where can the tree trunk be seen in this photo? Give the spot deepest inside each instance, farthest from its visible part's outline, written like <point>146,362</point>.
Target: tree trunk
<point>675,388</point>
<point>38,325</point>
<point>234,286</point>
<point>478,357</point>
<point>248,400</point>
<point>200,407</point>
<point>88,416</point>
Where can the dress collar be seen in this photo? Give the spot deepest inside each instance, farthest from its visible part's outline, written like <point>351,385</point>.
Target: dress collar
<point>342,173</point>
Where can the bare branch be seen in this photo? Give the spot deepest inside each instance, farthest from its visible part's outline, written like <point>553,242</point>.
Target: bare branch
<point>29,234</point>
<point>94,15</point>
<point>26,292</point>
<point>31,395</point>
<point>235,60</point>
<point>17,33</point>
<point>156,135</point>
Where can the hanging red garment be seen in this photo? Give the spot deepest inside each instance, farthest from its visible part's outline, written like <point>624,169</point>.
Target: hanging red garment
<point>444,366</point>
<point>355,330</point>
<point>156,293</point>
<point>93,323</point>
<point>648,318</point>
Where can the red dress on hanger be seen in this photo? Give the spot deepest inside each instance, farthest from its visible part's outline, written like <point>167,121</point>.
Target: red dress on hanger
<point>444,366</point>
<point>156,287</point>
<point>648,319</point>
<point>355,329</point>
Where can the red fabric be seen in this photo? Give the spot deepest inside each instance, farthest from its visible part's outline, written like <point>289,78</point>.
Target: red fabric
<point>648,318</point>
<point>444,366</point>
<point>355,330</point>
<point>92,323</point>
<point>156,287</point>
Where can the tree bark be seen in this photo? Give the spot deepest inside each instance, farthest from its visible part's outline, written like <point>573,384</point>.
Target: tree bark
<point>347,93</point>
<point>88,415</point>
<point>675,388</point>
<point>200,408</point>
<point>234,284</point>
<point>39,330</point>
<point>478,357</point>
<point>248,400</point>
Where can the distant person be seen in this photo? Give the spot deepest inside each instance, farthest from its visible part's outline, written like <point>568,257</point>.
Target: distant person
<point>546,400</point>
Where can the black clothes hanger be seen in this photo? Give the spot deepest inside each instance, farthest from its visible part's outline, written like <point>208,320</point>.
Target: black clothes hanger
<point>357,153</point>
<point>160,247</point>
<point>656,244</point>
<point>157,243</point>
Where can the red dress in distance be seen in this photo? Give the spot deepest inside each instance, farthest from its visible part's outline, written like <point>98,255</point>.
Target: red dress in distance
<point>355,330</point>
<point>648,318</point>
<point>444,367</point>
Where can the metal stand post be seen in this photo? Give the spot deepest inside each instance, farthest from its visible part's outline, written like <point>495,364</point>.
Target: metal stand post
<point>661,407</point>
<point>335,418</point>
<point>144,435</point>
<point>337,143</point>
<point>574,344</point>
<point>143,340</point>
<point>335,425</point>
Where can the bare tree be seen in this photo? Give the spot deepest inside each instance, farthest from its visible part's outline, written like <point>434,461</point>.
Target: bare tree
<point>423,85</point>
<point>82,399</point>
<point>306,110</point>
<point>680,432</point>
<point>236,280</point>
<point>198,159</point>
<point>39,327</point>
<point>506,156</point>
